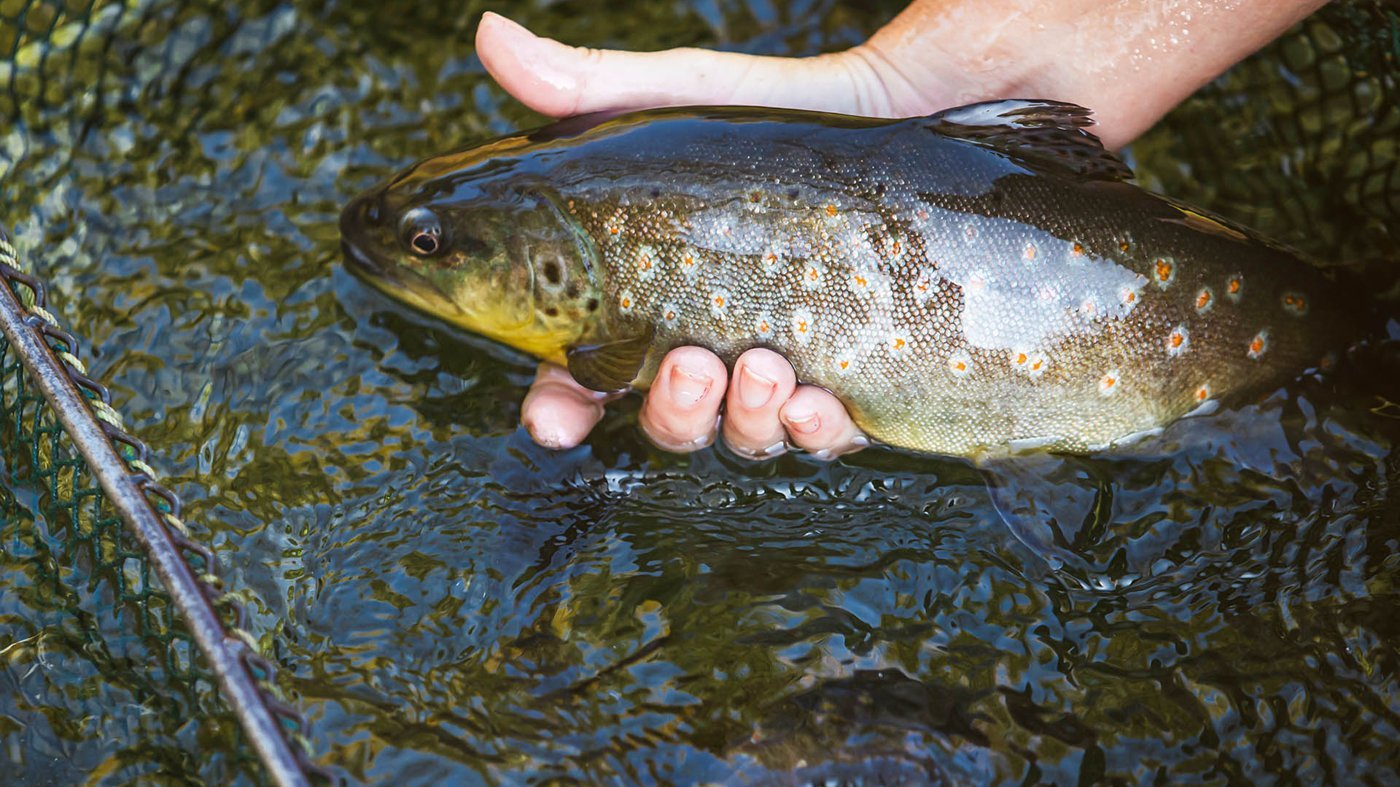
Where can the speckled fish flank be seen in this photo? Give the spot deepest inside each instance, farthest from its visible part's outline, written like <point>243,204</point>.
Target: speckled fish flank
<point>978,280</point>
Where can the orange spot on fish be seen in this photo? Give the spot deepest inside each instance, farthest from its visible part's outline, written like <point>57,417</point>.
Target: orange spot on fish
<point>1234,288</point>
<point>1029,252</point>
<point>1108,383</point>
<point>1202,393</point>
<point>844,364</point>
<point>1077,250</point>
<point>1021,358</point>
<point>1178,340</point>
<point>1259,344</point>
<point>830,209</point>
<point>1124,246</point>
<point>1164,270</point>
<point>1204,298</point>
<point>960,364</point>
<point>1295,303</point>
<point>861,281</point>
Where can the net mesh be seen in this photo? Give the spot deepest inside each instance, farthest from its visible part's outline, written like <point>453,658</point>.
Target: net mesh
<point>1301,141</point>
<point>81,598</point>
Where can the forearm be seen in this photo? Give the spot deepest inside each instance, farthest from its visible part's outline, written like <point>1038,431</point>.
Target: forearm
<point>1130,61</point>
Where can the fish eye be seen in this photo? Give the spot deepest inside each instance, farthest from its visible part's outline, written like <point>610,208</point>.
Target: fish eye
<point>422,232</point>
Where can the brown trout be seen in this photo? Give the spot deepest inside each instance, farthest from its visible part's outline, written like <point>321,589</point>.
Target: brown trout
<point>983,279</point>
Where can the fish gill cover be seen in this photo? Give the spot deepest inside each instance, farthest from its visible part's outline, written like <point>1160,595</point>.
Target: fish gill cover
<point>446,600</point>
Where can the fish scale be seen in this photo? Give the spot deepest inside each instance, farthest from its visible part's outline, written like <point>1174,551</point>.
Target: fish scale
<point>980,280</point>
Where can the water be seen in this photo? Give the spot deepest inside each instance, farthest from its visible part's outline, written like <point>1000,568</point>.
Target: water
<point>448,601</point>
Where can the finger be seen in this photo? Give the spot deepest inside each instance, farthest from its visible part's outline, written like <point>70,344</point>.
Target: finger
<point>558,412</point>
<point>762,382</point>
<point>682,408</point>
<point>816,421</point>
<point>559,80</point>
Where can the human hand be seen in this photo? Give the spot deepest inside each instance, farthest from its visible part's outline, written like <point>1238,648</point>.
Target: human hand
<point>1130,62</point>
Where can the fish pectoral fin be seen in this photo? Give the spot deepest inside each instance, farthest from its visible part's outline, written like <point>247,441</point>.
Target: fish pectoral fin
<point>1050,504</point>
<point>609,365</point>
<point>1043,135</point>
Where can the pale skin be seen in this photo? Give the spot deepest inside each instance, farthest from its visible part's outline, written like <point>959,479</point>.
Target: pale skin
<point>1129,60</point>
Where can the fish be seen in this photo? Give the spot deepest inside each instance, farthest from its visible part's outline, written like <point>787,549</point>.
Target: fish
<point>981,281</point>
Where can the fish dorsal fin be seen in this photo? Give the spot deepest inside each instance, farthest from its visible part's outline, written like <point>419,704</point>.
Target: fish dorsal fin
<point>609,365</point>
<point>1044,135</point>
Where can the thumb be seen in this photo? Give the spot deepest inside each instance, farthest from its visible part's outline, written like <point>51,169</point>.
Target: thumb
<point>559,80</point>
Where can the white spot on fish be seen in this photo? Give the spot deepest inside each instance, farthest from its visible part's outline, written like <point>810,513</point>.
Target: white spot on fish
<point>774,256</point>
<point>976,284</point>
<point>645,260</point>
<point>625,302</point>
<point>1259,344</point>
<point>763,326</point>
<point>862,282</point>
<point>1177,341</point>
<point>844,363</point>
<point>1028,362</point>
<point>960,364</point>
<point>719,303</point>
<point>1110,383</point>
<point>924,284</point>
<point>1130,296</point>
<point>1089,307</point>
<point>690,262</point>
<point>813,275</point>
<point>1205,299</point>
<point>804,325</point>
<point>1234,288</point>
<point>1164,271</point>
<point>670,315</point>
<point>897,344</point>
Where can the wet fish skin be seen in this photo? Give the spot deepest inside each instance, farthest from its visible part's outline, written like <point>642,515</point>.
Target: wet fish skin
<point>984,279</point>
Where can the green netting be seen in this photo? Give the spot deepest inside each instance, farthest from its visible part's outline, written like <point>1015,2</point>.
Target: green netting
<point>1301,141</point>
<point>81,598</point>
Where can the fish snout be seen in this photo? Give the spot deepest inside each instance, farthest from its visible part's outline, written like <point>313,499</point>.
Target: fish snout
<point>360,221</point>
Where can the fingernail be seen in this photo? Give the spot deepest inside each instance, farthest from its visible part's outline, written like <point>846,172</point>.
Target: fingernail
<point>755,390</point>
<point>687,388</point>
<point>860,441</point>
<point>803,422</point>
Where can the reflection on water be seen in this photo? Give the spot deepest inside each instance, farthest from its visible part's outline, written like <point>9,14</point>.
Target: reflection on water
<point>449,601</point>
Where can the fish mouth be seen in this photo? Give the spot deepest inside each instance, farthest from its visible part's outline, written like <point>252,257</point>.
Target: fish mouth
<point>354,219</point>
